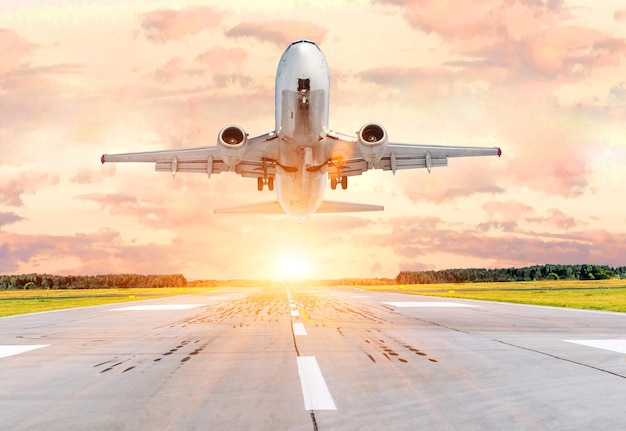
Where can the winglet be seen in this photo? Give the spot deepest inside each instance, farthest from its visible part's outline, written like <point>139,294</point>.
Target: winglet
<point>499,152</point>
<point>102,159</point>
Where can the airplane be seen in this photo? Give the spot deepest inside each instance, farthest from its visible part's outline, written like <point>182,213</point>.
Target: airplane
<point>299,156</point>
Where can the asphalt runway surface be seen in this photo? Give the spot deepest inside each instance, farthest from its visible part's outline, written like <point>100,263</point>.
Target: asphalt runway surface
<point>313,359</point>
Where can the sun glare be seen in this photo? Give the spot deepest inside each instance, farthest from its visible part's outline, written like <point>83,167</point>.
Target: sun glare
<point>293,267</point>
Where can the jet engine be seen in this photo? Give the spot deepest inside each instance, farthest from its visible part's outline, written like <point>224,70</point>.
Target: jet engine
<point>372,142</point>
<point>231,144</point>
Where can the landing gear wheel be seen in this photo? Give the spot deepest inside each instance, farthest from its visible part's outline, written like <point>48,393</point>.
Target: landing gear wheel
<point>333,183</point>
<point>270,184</point>
<point>344,183</point>
<point>259,184</point>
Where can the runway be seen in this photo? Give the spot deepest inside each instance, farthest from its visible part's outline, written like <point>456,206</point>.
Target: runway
<point>313,359</point>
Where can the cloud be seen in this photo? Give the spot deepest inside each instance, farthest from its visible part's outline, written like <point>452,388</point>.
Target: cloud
<point>620,15</point>
<point>504,215</point>
<point>459,181</point>
<point>101,252</point>
<point>281,33</point>
<point>409,240</point>
<point>128,205</point>
<point>532,39</point>
<point>11,191</point>
<point>14,49</point>
<point>9,218</point>
<point>170,71</point>
<point>166,25</point>
<point>224,64</point>
<point>560,220</point>
<point>222,59</point>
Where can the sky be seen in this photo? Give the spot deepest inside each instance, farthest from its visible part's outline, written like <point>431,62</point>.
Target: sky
<point>543,80</point>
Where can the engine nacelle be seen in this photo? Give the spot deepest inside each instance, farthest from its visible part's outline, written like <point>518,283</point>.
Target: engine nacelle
<point>372,142</point>
<point>231,144</point>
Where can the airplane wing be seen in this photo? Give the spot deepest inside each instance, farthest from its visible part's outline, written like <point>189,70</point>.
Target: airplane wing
<point>258,160</point>
<point>349,162</point>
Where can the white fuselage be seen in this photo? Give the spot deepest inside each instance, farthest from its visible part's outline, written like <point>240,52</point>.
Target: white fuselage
<point>302,100</point>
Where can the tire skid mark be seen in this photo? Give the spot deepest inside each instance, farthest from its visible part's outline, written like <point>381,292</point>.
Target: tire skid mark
<point>100,364</point>
<point>111,367</point>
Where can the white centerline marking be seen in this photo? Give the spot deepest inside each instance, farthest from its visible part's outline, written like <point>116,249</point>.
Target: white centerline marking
<point>613,345</point>
<point>428,304</point>
<point>10,350</point>
<point>314,389</point>
<point>158,307</point>
<point>359,296</point>
<point>295,313</point>
<point>298,329</point>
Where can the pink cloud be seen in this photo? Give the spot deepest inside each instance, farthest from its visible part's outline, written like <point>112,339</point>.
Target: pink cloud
<point>504,215</point>
<point>620,15</point>
<point>279,32</point>
<point>456,184</point>
<point>128,205</point>
<point>14,49</point>
<point>168,24</point>
<point>11,191</point>
<point>101,252</point>
<point>9,218</point>
<point>170,71</point>
<point>560,220</point>
<point>87,176</point>
<point>531,39</point>
<point>409,240</point>
<point>222,59</point>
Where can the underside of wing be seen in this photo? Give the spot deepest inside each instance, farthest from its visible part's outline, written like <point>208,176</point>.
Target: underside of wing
<point>348,154</point>
<point>257,160</point>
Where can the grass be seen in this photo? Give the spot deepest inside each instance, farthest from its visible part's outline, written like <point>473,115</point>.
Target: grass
<point>30,301</point>
<point>608,295</point>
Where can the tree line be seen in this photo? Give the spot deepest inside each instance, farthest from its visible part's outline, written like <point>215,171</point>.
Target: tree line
<point>459,275</point>
<point>530,273</point>
<point>47,281</point>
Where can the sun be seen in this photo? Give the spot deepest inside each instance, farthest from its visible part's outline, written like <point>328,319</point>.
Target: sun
<point>293,267</point>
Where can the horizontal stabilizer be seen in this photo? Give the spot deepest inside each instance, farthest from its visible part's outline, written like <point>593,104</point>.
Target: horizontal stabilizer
<point>273,207</point>
<point>346,207</point>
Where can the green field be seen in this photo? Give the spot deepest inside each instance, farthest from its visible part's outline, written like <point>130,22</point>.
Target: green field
<point>609,295</point>
<point>30,301</point>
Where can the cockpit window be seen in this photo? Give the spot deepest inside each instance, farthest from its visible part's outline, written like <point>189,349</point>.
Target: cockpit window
<point>304,41</point>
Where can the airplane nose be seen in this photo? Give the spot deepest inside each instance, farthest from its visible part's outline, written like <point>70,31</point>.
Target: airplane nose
<point>302,48</point>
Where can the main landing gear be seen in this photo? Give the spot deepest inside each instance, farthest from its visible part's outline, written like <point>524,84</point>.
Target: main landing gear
<point>335,181</point>
<point>261,182</point>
